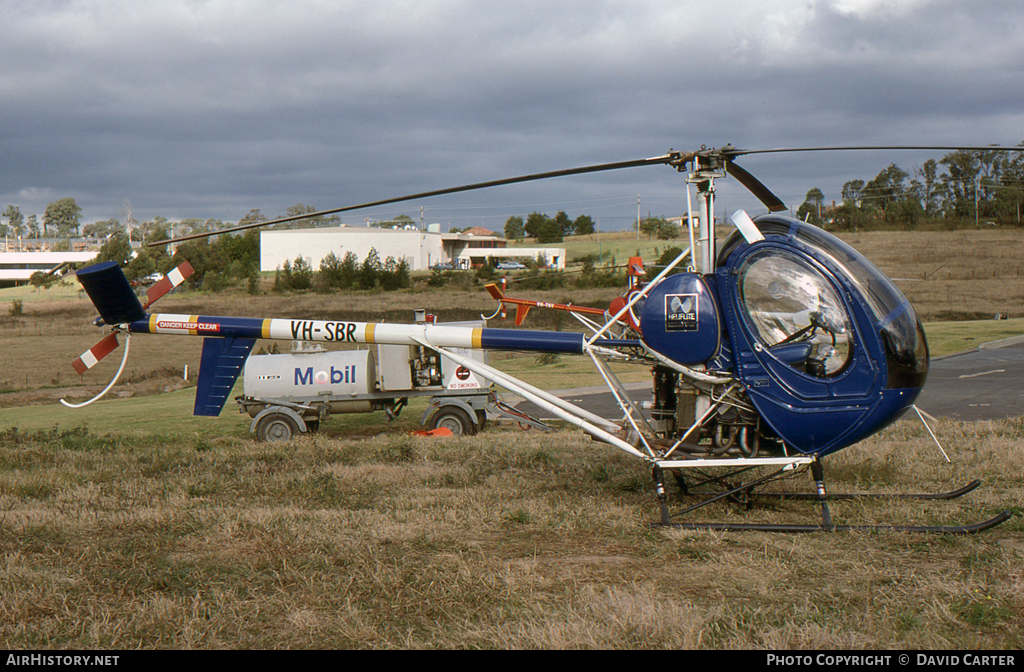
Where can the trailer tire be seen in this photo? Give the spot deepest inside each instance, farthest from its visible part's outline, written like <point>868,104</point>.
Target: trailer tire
<point>454,419</point>
<point>276,427</point>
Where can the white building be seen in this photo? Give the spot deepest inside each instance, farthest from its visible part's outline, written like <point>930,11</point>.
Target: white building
<point>17,267</point>
<point>421,250</point>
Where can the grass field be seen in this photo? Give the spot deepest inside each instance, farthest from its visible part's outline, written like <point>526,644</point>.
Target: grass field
<point>132,524</point>
<point>503,540</point>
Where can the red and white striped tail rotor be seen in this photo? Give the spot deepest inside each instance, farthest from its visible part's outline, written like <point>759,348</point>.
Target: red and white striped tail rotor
<point>93,355</point>
<point>168,282</point>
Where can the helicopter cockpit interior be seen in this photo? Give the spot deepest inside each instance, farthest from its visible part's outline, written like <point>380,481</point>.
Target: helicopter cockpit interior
<point>795,312</point>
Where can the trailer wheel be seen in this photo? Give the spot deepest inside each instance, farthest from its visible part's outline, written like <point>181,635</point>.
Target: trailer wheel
<point>454,419</point>
<point>276,427</point>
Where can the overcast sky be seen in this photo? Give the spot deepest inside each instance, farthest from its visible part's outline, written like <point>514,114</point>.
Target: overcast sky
<point>209,109</point>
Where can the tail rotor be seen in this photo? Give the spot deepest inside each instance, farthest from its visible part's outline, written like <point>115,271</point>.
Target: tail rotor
<point>113,296</point>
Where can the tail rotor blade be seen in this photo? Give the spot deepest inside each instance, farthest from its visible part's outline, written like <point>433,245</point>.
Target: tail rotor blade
<point>93,355</point>
<point>167,283</point>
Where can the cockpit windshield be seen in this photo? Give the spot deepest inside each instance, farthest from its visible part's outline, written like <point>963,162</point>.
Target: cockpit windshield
<point>901,333</point>
<point>795,311</point>
<point>900,330</point>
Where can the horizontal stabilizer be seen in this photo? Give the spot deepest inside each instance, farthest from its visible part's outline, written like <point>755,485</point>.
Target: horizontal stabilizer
<point>222,361</point>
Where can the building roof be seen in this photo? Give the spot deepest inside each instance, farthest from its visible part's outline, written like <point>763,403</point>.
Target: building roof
<point>478,231</point>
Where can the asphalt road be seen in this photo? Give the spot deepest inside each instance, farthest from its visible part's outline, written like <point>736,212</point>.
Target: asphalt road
<point>983,384</point>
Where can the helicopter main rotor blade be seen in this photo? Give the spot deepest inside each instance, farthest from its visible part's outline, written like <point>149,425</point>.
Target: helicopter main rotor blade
<point>657,160</point>
<point>755,186</point>
<point>731,152</point>
<point>725,154</point>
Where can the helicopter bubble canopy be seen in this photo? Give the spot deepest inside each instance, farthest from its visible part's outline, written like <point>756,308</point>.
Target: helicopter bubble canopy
<point>829,350</point>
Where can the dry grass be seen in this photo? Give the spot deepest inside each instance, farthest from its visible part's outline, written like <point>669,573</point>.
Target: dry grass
<point>962,274</point>
<point>505,540</point>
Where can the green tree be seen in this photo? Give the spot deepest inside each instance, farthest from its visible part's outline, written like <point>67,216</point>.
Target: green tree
<point>534,222</point>
<point>514,228</point>
<point>583,225</point>
<point>931,188</point>
<point>810,211</point>
<point>369,273</point>
<point>148,230</point>
<point>15,220</point>
<point>659,227</point>
<point>63,217</point>
<point>33,226</point>
<point>159,255</point>
<point>549,232</point>
<point>887,189</point>
<point>103,229</point>
<point>395,275</point>
<point>144,263</point>
<point>117,249</point>
<point>203,258</point>
<point>350,270</point>
<point>283,277</point>
<point>329,276</point>
<point>302,274</point>
<point>853,192</point>
<point>564,223</point>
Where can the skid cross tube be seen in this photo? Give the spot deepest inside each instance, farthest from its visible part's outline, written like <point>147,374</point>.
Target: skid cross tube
<point>723,495</point>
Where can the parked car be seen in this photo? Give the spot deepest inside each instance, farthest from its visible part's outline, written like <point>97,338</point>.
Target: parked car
<point>444,266</point>
<point>511,266</point>
<point>150,279</point>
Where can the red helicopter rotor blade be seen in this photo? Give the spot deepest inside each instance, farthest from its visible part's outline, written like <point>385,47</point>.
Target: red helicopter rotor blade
<point>167,283</point>
<point>93,355</point>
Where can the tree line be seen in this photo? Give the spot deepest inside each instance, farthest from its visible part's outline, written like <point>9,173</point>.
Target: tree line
<point>547,229</point>
<point>963,187</point>
<point>62,219</point>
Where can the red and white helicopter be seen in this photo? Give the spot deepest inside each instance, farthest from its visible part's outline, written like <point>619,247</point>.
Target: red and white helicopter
<point>768,351</point>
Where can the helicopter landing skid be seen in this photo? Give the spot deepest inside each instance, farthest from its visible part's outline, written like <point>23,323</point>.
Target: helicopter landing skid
<point>931,496</point>
<point>973,528</point>
<point>821,495</point>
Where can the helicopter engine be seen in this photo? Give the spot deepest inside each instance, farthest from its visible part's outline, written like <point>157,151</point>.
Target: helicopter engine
<point>725,429</point>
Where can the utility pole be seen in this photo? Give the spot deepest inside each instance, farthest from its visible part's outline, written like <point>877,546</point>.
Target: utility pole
<point>638,223</point>
<point>977,188</point>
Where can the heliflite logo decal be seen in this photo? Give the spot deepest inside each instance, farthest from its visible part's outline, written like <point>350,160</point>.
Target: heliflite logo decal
<point>681,312</point>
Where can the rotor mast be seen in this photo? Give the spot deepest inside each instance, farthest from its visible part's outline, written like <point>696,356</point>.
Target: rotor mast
<point>703,173</point>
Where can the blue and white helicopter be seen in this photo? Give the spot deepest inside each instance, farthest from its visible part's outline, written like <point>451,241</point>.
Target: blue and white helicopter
<point>769,351</point>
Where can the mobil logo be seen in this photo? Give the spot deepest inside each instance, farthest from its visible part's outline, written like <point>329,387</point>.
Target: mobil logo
<point>334,376</point>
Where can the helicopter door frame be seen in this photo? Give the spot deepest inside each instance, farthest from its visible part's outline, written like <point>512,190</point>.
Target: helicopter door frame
<point>858,359</point>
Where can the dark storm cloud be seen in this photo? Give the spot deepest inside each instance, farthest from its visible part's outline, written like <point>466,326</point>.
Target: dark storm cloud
<point>209,109</point>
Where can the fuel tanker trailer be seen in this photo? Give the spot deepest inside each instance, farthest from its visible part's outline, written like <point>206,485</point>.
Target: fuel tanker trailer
<point>290,394</point>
